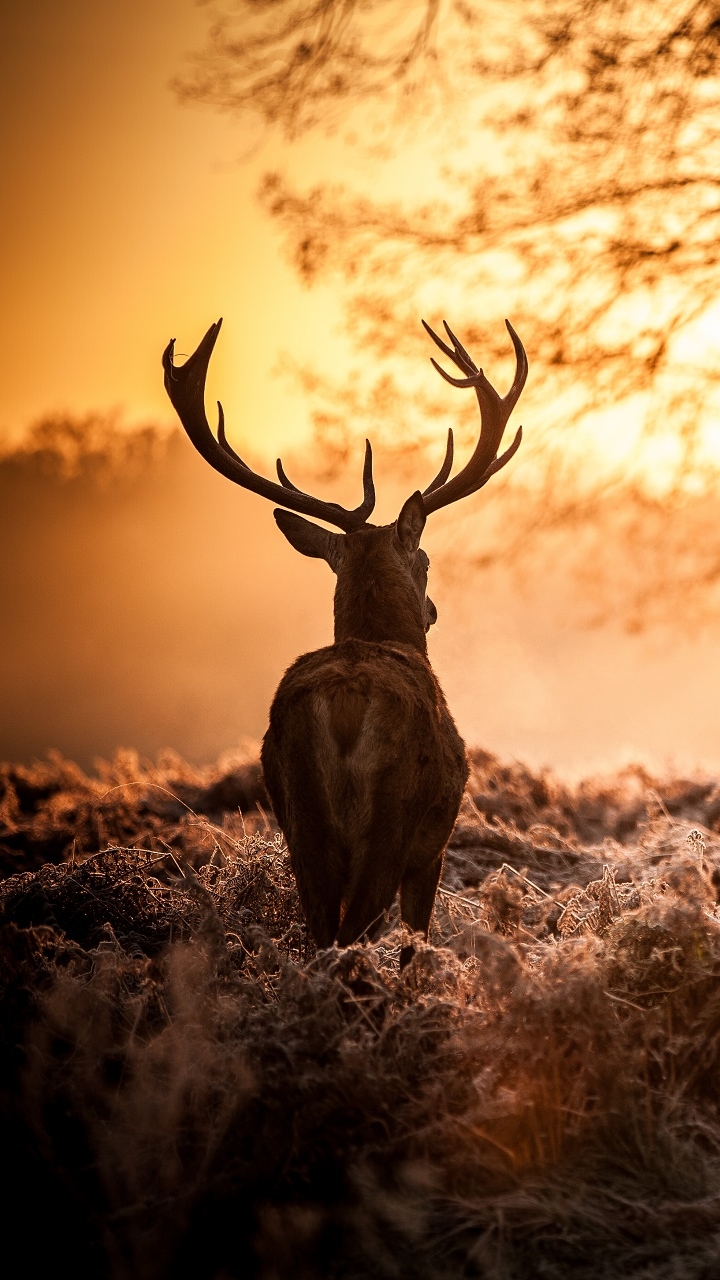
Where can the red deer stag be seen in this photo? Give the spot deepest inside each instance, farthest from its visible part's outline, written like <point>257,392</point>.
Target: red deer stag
<point>362,760</point>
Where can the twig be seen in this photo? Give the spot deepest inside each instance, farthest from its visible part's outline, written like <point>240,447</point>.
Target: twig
<point>263,815</point>
<point>622,1000</point>
<point>447,893</point>
<point>506,867</point>
<point>661,802</point>
<point>143,782</point>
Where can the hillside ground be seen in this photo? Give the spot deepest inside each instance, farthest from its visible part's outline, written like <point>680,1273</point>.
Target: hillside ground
<point>189,1090</point>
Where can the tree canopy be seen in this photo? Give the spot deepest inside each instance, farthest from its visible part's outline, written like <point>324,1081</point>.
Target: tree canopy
<point>568,153</point>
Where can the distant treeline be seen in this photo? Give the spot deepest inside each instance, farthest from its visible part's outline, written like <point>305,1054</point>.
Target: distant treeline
<point>140,597</point>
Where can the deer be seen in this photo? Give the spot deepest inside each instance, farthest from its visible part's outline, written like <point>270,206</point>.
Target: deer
<point>363,763</point>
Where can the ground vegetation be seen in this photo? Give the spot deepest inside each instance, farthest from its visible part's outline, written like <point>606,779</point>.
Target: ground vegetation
<point>189,1089</point>
<point>552,162</point>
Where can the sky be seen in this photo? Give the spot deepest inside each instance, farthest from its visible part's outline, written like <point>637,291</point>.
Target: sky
<point>129,218</point>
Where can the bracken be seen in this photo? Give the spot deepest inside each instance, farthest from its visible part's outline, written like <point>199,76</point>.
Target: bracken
<point>190,1089</point>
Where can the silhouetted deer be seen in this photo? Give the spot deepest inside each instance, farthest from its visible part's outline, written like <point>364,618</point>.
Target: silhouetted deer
<point>362,760</point>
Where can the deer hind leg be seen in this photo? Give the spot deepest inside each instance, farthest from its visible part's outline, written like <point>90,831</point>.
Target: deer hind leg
<point>370,897</point>
<point>424,866</point>
<point>417,897</point>
<point>318,860</point>
<point>319,876</point>
<point>377,856</point>
<point>318,863</point>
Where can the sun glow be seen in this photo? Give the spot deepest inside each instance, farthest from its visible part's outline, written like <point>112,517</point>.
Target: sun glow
<point>151,228</point>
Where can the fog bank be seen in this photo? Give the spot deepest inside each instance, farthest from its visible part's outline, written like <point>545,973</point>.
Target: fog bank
<point>155,604</point>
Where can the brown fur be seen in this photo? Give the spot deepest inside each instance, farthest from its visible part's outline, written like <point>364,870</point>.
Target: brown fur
<point>376,597</point>
<point>346,712</point>
<point>362,760</point>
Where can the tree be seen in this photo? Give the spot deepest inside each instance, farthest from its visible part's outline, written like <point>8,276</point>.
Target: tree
<point>571,153</point>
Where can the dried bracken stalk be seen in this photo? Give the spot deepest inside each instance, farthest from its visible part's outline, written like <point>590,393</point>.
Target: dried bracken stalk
<point>187,1088</point>
<point>593,910</point>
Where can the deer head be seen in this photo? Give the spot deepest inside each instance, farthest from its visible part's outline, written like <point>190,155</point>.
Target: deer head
<point>381,570</point>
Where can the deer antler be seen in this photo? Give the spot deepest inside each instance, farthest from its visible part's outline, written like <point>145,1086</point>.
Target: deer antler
<point>185,385</point>
<point>494,413</point>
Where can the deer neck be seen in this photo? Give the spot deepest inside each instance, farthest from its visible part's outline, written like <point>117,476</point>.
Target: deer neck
<point>379,611</point>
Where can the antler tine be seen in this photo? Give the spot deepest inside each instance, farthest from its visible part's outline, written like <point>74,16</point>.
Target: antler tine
<point>368,503</point>
<point>455,382</point>
<point>521,368</point>
<point>223,438</point>
<point>185,385</point>
<point>459,355</point>
<point>445,469</point>
<point>494,413</point>
<point>287,484</point>
<point>462,357</point>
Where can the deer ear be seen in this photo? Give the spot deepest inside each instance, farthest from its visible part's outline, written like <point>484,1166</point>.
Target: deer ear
<point>308,538</point>
<point>411,522</point>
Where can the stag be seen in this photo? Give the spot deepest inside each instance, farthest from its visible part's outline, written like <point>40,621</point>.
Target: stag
<point>362,760</point>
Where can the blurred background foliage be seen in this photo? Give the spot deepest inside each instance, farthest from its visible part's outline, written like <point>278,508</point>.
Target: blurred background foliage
<point>554,162</point>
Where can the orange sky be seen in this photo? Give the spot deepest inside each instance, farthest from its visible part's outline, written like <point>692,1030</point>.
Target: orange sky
<point>128,219</point>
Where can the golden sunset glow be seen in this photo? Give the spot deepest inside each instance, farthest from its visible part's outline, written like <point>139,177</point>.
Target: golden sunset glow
<point>132,217</point>
<point>129,219</point>
<point>360,811</point>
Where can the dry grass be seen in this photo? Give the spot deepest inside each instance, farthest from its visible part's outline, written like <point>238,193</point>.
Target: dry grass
<point>188,1090</point>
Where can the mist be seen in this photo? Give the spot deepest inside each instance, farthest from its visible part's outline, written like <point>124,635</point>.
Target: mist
<point>149,603</point>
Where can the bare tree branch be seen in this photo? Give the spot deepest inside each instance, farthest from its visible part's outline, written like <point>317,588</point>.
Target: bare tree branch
<point>292,62</point>
<point>573,184</point>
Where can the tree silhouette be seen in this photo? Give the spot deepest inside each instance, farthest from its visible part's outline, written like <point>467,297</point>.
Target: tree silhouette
<point>292,62</point>
<point>572,181</point>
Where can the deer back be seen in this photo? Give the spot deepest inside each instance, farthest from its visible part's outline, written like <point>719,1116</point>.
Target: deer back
<point>362,760</point>
<point>366,770</point>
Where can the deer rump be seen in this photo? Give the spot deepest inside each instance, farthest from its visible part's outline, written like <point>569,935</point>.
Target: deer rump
<point>365,770</point>
<point>363,763</point>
